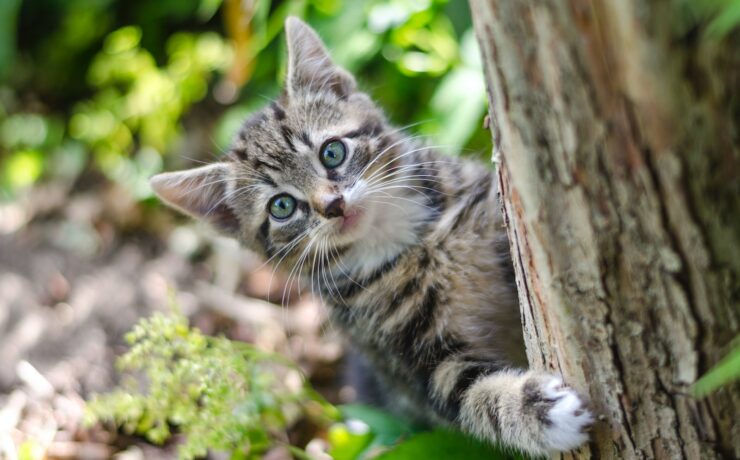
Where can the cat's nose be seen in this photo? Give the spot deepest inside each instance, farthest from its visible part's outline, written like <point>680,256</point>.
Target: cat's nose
<point>334,207</point>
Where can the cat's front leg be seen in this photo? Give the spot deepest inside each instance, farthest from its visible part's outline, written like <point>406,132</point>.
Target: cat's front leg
<point>532,411</point>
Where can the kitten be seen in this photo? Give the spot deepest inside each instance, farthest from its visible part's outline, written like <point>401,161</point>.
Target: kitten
<point>405,245</point>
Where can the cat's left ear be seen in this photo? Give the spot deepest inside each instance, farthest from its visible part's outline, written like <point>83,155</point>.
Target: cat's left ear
<point>200,193</point>
<point>309,66</point>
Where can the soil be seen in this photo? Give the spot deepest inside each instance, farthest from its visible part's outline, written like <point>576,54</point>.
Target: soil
<point>77,270</point>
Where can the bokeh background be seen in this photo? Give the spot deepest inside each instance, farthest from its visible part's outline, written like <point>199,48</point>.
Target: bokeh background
<point>96,96</point>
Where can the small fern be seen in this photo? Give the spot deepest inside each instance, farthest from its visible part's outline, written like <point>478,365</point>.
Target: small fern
<point>228,396</point>
<point>220,394</point>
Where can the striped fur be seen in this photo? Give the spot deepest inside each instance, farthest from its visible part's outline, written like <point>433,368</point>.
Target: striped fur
<point>421,281</point>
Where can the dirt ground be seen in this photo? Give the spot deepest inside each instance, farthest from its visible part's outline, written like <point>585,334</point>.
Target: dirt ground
<point>78,270</point>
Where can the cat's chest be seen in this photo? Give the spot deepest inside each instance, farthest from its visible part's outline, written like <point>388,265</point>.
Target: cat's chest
<point>384,350</point>
<point>367,323</point>
<point>388,307</point>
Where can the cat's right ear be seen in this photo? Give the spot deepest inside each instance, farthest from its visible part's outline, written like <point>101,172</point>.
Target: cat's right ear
<point>310,67</point>
<point>201,193</point>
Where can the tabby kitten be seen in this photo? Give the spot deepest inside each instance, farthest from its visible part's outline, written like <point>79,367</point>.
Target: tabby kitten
<point>405,245</point>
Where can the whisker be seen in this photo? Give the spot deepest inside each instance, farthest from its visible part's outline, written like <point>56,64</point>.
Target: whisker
<point>415,165</point>
<point>388,203</point>
<point>339,263</point>
<point>300,235</point>
<point>406,199</point>
<point>415,188</point>
<point>322,268</point>
<point>423,177</point>
<point>297,265</point>
<point>286,249</point>
<point>411,125</point>
<point>403,182</point>
<point>384,151</point>
<point>315,267</point>
<point>412,151</point>
<point>330,272</point>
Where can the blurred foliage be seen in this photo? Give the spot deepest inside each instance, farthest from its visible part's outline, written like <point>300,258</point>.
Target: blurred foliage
<point>137,105</point>
<point>369,433</point>
<point>449,445</point>
<point>715,17</point>
<point>366,432</point>
<point>723,373</point>
<point>221,395</point>
<point>115,90</point>
<point>228,396</point>
<point>107,86</point>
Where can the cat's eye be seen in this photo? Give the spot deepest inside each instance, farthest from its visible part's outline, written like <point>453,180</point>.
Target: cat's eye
<point>333,154</point>
<point>282,206</point>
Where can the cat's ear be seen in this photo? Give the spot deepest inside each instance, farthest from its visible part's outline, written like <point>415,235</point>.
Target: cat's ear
<point>309,66</point>
<point>200,193</point>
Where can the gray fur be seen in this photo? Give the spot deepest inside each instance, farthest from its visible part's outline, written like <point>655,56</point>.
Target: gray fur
<point>421,281</point>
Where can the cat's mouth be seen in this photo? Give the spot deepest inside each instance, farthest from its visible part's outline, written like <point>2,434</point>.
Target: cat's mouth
<point>349,227</point>
<point>350,221</point>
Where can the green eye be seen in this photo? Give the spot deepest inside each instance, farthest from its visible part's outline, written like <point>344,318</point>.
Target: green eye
<point>282,206</point>
<point>333,154</point>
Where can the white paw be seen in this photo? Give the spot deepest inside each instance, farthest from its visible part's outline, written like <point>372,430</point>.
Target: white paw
<point>568,416</point>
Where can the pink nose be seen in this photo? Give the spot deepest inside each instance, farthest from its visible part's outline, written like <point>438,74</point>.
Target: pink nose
<point>334,207</point>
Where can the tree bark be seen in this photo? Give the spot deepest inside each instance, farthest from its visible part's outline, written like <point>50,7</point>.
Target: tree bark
<point>616,137</point>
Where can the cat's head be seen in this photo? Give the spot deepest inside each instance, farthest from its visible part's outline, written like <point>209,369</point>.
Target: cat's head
<point>318,170</point>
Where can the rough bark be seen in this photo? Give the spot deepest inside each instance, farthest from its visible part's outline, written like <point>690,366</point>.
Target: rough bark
<point>616,136</point>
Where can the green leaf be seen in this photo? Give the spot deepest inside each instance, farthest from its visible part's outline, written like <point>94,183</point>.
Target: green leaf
<point>727,19</point>
<point>8,16</point>
<point>723,373</point>
<point>30,450</point>
<point>459,101</point>
<point>23,168</point>
<point>347,444</point>
<point>221,395</point>
<point>448,445</point>
<point>208,8</point>
<point>385,430</point>
<point>384,425</point>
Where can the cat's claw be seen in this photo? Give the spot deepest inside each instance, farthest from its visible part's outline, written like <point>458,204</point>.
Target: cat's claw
<point>569,416</point>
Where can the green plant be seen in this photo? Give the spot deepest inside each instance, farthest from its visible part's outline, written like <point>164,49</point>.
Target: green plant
<point>114,83</point>
<point>717,17</point>
<point>138,105</point>
<point>220,394</point>
<point>447,445</point>
<point>228,396</point>
<point>723,373</point>
<point>389,438</point>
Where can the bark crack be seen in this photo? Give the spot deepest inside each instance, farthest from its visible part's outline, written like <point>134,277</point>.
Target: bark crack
<point>643,239</point>
<point>605,262</point>
<point>517,250</point>
<point>683,277</point>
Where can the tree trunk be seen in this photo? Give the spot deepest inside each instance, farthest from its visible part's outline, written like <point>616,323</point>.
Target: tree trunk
<point>616,136</point>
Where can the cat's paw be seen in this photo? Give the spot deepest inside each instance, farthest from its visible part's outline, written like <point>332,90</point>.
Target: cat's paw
<point>562,411</point>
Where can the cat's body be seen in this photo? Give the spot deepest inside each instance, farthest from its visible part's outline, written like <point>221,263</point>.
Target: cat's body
<point>430,303</point>
<point>405,246</point>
